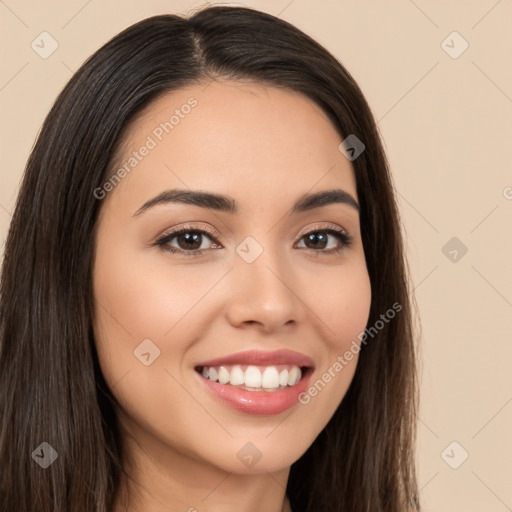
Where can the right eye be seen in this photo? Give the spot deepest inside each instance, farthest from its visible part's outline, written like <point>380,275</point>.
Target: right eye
<point>190,239</point>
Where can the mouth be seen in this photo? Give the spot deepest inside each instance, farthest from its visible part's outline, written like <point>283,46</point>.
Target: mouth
<point>255,382</point>
<point>255,378</point>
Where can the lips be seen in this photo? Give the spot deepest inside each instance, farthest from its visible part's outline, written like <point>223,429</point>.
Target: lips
<point>239,380</point>
<point>259,358</point>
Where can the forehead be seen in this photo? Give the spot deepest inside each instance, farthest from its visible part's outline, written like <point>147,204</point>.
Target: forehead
<point>249,140</point>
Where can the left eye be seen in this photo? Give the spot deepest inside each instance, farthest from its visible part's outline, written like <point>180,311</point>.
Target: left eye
<point>190,241</point>
<point>319,237</point>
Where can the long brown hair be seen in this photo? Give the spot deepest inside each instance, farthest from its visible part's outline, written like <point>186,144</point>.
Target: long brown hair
<point>51,386</point>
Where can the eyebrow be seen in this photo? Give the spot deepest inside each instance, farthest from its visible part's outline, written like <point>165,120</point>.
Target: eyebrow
<point>227,204</point>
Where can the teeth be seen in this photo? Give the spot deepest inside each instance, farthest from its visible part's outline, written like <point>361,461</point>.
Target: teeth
<point>237,376</point>
<point>293,375</point>
<point>213,375</point>
<point>223,375</point>
<point>270,378</point>
<point>254,377</point>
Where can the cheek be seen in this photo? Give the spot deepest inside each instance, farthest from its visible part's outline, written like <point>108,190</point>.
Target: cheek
<point>353,309</point>
<point>128,304</point>
<point>343,304</point>
<point>141,297</point>
<point>343,310</point>
<point>137,301</point>
<point>349,322</point>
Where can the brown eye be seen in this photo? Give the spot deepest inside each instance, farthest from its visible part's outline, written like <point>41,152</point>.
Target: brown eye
<point>318,240</point>
<point>188,241</point>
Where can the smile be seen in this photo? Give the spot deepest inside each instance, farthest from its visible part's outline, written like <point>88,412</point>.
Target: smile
<point>254,378</point>
<point>258,388</point>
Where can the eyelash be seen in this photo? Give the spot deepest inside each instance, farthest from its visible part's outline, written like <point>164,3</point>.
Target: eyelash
<point>345,239</point>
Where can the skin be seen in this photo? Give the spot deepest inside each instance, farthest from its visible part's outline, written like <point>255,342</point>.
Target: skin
<point>265,147</point>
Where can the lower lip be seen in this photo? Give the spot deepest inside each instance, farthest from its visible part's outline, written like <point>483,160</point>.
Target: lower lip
<point>262,403</point>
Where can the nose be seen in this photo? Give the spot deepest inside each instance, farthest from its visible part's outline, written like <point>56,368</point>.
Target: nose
<point>264,294</point>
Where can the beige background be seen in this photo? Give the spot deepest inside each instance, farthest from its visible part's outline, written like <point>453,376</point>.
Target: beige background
<point>447,126</point>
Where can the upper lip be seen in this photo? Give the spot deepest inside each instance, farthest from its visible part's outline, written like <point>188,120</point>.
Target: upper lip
<point>261,358</point>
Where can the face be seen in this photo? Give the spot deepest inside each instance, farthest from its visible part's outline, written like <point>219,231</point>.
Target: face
<point>262,289</point>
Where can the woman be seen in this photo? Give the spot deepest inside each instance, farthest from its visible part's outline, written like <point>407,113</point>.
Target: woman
<point>204,297</point>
